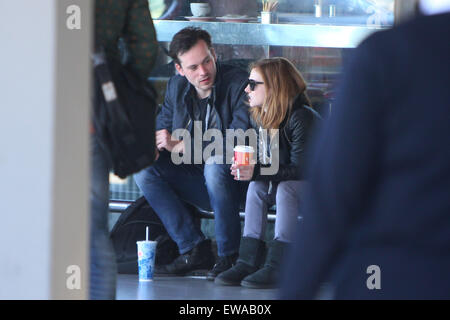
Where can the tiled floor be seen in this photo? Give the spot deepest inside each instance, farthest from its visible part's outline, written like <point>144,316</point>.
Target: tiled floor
<point>185,288</point>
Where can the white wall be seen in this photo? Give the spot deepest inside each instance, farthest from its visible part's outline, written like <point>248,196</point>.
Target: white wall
<point>44,110</point>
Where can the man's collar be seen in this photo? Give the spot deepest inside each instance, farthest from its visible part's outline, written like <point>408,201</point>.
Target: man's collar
<point>191,92</point>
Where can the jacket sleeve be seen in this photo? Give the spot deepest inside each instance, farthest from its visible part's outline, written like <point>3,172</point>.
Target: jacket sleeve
<point>165,115</point>
<point>140,35</point>
<point>240,114</point>
<point>295,169</point>
<point>239,107</point>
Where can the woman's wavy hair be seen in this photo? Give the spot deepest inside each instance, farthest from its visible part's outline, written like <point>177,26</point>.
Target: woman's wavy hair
<point>283,83</point>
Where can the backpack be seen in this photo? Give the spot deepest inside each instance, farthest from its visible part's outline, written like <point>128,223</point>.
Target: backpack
<point>124,115</point>
<point>130,228</point>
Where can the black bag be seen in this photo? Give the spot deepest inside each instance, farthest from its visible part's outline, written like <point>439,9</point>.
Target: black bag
<point>130,228</point>
<point>124,115</point>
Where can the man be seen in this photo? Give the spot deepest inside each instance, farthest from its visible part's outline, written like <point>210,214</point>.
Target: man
<point>131,20</point>
<point>205,95</point>
<point>376,224</point>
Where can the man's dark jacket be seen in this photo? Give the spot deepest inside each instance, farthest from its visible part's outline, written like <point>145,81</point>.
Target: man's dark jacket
<point>378,210</point>
<point>228,101</point>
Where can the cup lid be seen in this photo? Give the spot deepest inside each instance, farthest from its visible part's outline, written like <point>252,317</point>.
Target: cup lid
<point>243,149</point>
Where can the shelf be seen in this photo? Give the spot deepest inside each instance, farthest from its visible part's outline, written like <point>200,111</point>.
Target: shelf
<point>294,35</point>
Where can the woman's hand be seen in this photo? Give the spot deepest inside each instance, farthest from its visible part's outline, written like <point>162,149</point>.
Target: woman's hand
<point>242,172</point>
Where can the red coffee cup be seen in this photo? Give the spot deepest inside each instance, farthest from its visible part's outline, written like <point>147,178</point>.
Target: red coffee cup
<point>243,155</point>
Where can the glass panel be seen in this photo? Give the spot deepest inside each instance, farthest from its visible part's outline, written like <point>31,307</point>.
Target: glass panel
<point>336,12</point>
<point>123,189</point>
<point>319,66</point>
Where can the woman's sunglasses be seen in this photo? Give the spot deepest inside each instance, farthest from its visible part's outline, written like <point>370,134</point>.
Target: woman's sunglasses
<point>252,84</point>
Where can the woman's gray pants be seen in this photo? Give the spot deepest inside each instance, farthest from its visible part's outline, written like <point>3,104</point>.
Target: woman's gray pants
<point>260,197</point>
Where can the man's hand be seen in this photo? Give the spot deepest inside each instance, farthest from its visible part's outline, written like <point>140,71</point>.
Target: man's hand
<point>164,141</point>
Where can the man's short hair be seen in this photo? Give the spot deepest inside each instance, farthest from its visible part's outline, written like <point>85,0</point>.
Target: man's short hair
<point>185,39</point>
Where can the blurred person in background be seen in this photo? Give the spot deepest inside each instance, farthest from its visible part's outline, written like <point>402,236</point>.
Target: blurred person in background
<point>131,21</point>
<point>376,222</point>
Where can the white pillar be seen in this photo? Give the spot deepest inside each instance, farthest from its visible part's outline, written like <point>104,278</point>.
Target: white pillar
<point>44,149</point>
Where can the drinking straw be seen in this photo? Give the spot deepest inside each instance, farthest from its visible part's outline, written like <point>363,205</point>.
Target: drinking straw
<point>146,233</point>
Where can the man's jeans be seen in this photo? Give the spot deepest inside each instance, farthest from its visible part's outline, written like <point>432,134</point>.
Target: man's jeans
<point>103,267</point>
<point>167,187</point>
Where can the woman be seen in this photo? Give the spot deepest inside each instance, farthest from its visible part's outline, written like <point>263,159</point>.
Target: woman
<point>282,115</point>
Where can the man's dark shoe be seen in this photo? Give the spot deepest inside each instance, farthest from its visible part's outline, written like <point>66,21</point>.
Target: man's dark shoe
<point>200,258</point>
<point>223,264</point>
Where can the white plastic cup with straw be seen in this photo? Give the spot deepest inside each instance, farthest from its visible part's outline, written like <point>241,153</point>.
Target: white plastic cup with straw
<point>146,258</point>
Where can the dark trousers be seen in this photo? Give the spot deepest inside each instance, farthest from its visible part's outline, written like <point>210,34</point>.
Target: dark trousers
<point>103,267</point>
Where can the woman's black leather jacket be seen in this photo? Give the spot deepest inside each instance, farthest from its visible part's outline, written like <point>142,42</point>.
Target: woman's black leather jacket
<point>294,134</point>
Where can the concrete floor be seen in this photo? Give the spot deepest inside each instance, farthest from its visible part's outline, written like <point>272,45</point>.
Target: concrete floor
<point>185,288</point>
